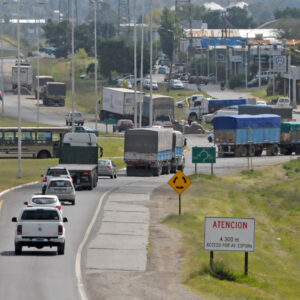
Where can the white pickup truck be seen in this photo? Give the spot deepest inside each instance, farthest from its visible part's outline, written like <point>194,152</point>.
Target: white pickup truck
<point>40,227</point>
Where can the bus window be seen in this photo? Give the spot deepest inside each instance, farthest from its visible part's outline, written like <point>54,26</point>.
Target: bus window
<point>27,138</point>
<point>9,138</point>
<point>1,138</point>
<point>44,137</point>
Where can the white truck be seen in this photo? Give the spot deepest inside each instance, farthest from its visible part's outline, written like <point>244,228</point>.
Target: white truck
<point>40,227</point>
<point>25,78</point>
<point>200,107</point>
<point>118,103</point>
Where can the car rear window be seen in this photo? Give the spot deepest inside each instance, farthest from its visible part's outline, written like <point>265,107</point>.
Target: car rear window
<point>104,162</point>
<point>60,183</point>
<point>43,200</point>
<point>57,172</point>
<point>40,215</point>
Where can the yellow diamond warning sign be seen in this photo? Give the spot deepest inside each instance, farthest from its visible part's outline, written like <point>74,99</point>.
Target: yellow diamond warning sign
<point>180,182</point>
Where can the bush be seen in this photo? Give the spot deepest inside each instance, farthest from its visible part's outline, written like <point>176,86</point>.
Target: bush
<point>236,81</point>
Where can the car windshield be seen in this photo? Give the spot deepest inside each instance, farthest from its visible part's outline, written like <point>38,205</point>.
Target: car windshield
<point>104,162</point>
<point>162,118</point>
<point>43,200</point>
<point>77,114</point>
<point>60,183</point>
<point>126,122</point>
<point>57,172</point>
<point>40,215</point>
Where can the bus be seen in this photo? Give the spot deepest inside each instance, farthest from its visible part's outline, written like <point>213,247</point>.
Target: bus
<point>37,142</point>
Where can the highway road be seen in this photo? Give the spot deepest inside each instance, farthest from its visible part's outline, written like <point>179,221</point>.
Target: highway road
<point>41,274</point>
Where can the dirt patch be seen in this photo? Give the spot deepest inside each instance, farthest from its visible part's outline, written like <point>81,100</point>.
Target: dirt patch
<point>162,278</point>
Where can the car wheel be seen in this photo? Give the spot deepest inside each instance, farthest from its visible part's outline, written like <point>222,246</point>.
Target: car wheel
<point>61,249</point>
<point>73,202</point>
<point>111,176</point>
<point>179,106</point>
<point>18,249</point>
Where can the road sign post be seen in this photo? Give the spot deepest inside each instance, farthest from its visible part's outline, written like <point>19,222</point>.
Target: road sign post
<point>109,121</point>
<point>229,234</point>
<point>204,155</point>
<point>179,182</point>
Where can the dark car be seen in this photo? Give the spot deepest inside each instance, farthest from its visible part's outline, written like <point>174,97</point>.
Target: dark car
<point>86,129</point>
<point>123,124</point>
<point>255,81</point>
<point>162,70</point>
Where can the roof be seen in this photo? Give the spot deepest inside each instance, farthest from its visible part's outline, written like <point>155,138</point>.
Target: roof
<point>244,33</point>
<point>213,6</point>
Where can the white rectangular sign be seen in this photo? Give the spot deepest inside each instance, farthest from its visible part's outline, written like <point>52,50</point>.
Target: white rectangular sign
<point>229,234</point>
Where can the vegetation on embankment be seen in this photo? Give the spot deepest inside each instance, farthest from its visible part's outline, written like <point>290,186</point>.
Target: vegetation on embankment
<point>272,197</point>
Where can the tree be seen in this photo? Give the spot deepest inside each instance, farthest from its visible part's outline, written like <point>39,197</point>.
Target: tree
<point>239,18</point>
<point>290,28</point>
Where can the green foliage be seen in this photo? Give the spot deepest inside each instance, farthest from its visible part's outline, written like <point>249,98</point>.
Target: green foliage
<point>239,17</point>
<point>288,12</point>
<point>272,196</point>
<point>236,81</point>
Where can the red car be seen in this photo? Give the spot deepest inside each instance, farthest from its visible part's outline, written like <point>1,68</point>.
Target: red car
<point>123,124</point>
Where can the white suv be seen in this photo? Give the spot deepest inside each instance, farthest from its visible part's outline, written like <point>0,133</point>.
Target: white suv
<point>78,119</point>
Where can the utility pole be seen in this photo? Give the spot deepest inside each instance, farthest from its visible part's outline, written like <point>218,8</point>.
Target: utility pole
<point>151,100</point>
<point>2,75</point>
<point>73,68</point>
<point>142,62</point>
<point>259,66</point>
<point>135,68</point>
<point>273,72</point>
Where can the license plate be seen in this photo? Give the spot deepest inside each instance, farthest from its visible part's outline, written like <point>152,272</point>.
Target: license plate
<point>59,190</point>
<point>39,240</point>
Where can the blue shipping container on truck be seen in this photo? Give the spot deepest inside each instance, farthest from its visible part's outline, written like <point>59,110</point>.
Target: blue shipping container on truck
<point>227,102</point>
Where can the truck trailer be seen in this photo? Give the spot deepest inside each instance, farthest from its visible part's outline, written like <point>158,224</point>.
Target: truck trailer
<point>148,151</point>
<point>247,135</point>
<point>290,138</point>
<point>79,154</point>
<point>178,159</point>
<point>54,94</point>
<point>25,78</point>
<point>118,103</point>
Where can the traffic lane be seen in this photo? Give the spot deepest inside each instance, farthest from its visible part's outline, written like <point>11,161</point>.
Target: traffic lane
<point>50,275</point>
<point>47,114</point>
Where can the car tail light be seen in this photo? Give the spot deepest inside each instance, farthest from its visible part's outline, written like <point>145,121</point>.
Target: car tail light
<point>170,123</point>
<point>19,230</point>
<point>45,179</point>
<point>108,167</point>
<point>58,207</point>
<point>29,205</point>
<point>60,229</point>
<point>155,123</point>
<point>85,173</point>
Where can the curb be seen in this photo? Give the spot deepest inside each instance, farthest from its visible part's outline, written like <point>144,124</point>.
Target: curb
<point>17,187</point>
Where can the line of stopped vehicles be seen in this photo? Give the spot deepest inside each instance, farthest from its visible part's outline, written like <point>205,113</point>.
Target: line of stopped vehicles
<point>150,151</point>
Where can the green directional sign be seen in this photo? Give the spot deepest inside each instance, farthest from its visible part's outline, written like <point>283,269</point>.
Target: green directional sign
<point>203,155</point>
<point>110,121</point>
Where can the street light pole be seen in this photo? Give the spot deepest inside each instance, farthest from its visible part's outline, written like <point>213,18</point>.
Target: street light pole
<point>151,100</point>
<point>142,63</point>
<point>135,68</point>
<point>2,81</point>
<point>73,67</point>
<point>19,98</point>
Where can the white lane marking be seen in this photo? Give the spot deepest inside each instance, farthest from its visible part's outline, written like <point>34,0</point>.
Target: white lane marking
<point>80,284</point>
<point>1,202</point>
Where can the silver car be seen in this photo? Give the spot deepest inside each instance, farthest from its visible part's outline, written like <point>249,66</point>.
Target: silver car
<point>45,201</point>
<point>63,188</point>
<point>106,167</point>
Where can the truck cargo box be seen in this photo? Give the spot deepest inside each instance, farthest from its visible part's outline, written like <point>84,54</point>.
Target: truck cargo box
<point>247,129</point>
<point>148,144</point>
<point>284,112</point>
<point>78,155</point>
<point>178,141</point>
<point>290,132</point>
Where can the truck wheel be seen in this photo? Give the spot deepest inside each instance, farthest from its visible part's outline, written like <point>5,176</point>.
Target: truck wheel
<point>173,169</point>
<point>237,152</point>
<point>258,151</point>
<point>244,151</point>
<point>18,249</point>
<point>43,154</point>
<point>275,150</point>
<point>61,249</point>
<point>73,202</point>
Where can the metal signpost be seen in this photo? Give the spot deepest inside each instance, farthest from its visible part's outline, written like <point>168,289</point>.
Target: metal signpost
<point>109,121</point>
<point>204,155</point>
<point>229,234</point>
<point>179,182</point>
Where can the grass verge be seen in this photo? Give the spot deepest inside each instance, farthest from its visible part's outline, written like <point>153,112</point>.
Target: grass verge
<point>272,197</point>
<point>11,122</point>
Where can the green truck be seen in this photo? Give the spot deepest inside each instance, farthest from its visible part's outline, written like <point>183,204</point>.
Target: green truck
<point>54,94</point>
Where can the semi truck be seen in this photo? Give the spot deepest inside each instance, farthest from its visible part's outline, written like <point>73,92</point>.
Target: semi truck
<point>79,154</point>
<point>247,135</point>
<point>286,113</point>
<point>118,103</point>
<point>54,94</point>
<point>290,138</point>
<point>39,83</point>
<point>25,78</point>
<point>200,107</point>
<point>148,151</point>
<point>163,110</point>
